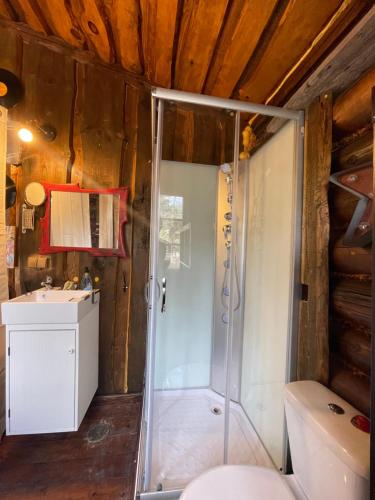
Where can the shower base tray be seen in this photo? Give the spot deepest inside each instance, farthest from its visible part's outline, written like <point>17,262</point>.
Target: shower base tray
<point>189,437</point>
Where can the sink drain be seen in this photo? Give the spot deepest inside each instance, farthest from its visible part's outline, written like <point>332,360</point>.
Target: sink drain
<point>216,410</point>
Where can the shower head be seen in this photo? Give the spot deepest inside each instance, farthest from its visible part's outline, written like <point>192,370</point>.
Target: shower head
<point>226,168</point>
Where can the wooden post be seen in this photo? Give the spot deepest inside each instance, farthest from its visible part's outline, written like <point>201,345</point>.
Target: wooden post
<point>313,351</point>
<point>140,249</point>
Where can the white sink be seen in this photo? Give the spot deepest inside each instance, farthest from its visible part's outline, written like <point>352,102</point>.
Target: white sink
<point>49,306</point>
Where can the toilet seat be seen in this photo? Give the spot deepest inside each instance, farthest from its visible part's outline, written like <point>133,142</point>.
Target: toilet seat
<point>238,482</point>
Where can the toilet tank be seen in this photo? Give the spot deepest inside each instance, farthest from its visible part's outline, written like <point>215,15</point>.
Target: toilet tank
<point>330,456</point>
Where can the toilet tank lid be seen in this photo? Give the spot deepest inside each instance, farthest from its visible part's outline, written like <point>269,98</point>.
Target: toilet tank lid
<point>349,444</point>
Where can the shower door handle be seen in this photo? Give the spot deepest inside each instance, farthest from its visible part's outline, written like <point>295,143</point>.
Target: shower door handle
<point>147,291</point>
<point>163,293</point>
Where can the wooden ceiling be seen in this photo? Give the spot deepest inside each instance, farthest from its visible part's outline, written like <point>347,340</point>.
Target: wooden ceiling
<point>257,50</point>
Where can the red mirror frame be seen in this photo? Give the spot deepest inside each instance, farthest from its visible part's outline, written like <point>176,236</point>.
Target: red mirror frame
<point>45,247</point>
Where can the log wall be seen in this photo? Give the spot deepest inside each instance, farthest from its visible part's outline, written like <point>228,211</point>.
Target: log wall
<point>350,268</point>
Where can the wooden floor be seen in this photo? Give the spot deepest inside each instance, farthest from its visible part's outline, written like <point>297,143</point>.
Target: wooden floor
<point>98,461</point>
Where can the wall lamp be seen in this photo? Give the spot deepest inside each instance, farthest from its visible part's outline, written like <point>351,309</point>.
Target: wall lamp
<point>46,132</point>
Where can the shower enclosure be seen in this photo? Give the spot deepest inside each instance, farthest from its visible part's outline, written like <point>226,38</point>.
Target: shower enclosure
<point>222,298</point>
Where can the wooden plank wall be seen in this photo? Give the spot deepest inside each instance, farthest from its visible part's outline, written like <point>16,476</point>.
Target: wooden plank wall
<point>197,134</point>
<point>103,139</point>
<point>350,268</point>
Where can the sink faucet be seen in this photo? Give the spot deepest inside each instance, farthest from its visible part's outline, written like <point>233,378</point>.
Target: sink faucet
<point>47,284</point>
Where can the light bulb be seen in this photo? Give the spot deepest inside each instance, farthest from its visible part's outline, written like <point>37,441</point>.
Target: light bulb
<point>25,135</point>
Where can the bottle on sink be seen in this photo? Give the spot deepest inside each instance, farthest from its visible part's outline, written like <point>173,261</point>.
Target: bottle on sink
<point>86,281</point>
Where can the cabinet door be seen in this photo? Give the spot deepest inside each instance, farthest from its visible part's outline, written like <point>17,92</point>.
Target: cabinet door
<point>41,381</point>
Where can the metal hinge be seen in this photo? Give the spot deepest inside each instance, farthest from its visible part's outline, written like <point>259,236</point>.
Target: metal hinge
<point>8,351</point>
<point>302,130</point>
<point>9,413</point>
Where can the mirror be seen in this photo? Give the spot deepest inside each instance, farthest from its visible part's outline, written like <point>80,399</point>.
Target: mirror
<point>84,219</point>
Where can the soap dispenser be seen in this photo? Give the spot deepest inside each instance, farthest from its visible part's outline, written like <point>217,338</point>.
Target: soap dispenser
<point>86,282</point>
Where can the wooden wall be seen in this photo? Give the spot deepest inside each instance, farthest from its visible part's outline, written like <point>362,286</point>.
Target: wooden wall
<point>197,134</point>
<point>103,140</point>
<point>350,268</point>
<point>102,117</point>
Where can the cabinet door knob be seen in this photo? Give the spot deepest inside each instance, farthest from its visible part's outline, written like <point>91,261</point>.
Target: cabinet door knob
<point>71,350</point>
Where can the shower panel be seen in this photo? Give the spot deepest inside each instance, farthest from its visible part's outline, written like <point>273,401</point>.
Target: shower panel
<point>198,401</point>
<point>221,298</point>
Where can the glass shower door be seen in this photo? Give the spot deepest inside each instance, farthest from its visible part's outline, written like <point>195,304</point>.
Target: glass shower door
<point>219,343</point>
<point>183,429</point>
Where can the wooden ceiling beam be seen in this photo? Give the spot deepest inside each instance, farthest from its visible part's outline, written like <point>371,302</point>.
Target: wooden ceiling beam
<point>200,27</point>
<point>346,63</point>
<point>28,12</point>
<point>344,18</point>
<point>246,21</point>
<point>124,18</point>
<point>89,17</point>
<point>159,24</point>
<point>60,22</point>
<point>348,14</point>
<point>258,50</point>
<point>7,11</point>
<point>298,25</point>
<point>82,56</point>
<point>262,45</point>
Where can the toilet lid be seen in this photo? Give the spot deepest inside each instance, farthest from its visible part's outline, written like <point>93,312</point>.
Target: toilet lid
<point>239,482</point>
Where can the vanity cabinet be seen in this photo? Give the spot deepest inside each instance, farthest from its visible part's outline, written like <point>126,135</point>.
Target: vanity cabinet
<point>52,374</point>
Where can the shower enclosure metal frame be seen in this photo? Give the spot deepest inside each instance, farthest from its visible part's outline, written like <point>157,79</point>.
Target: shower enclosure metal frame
<point>159,95</point>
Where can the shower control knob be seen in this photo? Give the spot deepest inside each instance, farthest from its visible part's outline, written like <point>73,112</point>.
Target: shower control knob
<point>225,318</point>
<point>227,229</point>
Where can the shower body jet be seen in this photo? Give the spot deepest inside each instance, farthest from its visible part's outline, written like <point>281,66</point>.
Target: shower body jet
<point>226,169</point>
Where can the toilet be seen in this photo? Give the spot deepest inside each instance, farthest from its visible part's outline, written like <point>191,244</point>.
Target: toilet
<point>330,456</point>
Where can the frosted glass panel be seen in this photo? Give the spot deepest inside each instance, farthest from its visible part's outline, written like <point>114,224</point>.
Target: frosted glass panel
<point>267,287</point>
<point>186,262</point>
